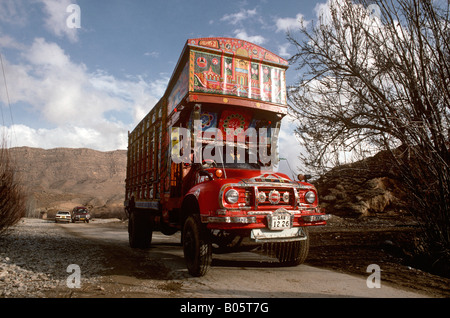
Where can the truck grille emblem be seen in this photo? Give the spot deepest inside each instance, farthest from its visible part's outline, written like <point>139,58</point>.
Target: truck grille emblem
<point>286,197</point>
<point>274,197</point>
<point>261,197</point>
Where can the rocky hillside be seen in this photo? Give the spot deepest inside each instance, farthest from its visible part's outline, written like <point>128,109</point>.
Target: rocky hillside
<point>62,178</point>
<point>365,188</point>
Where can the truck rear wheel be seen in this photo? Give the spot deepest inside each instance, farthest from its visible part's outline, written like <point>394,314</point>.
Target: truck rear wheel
<point>196,246</point>
<point>139,230</point>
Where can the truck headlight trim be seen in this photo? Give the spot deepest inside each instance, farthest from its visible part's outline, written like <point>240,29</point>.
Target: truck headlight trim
<point>232,196</point>
<point>310,197</point>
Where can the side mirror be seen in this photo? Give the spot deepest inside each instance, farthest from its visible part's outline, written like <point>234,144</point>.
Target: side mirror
<point>303,177</point>
<point>205,173</point>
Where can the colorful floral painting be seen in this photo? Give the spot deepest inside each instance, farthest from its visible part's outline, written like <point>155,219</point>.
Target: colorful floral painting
<point>209,120</point>
<point>236,122</point>
<point>217,74</point>
<point>250,72</point>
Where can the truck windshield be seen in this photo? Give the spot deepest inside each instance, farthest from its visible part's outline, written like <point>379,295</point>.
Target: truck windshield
<point>232,158</point>
<point>237,165</point>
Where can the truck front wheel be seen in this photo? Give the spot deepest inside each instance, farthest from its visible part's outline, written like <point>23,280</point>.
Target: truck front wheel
<point>196,246</point>
<point>294,253</point>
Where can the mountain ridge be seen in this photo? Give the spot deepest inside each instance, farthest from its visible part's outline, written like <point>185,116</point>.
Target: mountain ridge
<point>61,178</point>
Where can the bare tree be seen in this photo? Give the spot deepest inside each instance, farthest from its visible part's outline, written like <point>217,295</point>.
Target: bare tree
<point>375,76</point>
<point>12,200</point>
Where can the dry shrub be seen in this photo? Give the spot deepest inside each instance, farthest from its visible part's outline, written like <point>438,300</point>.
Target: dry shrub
<point>12,198</point>
<point>374,82</point>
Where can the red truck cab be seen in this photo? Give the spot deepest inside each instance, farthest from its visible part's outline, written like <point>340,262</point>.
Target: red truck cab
<point>204,159</point>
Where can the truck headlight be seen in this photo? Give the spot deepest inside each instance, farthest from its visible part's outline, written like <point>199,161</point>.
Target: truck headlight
<point>310,197</point>
<point>232,196</point>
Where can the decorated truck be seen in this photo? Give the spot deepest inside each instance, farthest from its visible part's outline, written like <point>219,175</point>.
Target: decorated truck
<point>203,160</point>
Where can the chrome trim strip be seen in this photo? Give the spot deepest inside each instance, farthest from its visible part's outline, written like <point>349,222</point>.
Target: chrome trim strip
<point>316,218</point>
<point>230,219</point>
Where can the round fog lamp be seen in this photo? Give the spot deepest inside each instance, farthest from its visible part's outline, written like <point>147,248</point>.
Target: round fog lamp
<point>232,196</point>
<point>310,197</point>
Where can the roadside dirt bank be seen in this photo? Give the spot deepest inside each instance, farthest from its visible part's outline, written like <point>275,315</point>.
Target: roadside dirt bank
<point>351,245</point>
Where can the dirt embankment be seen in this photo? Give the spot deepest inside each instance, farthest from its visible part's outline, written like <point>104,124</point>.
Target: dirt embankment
<point>350,245</point>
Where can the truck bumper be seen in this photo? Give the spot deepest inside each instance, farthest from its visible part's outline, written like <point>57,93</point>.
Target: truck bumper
<point>259,220</point>
<point>287,235</point>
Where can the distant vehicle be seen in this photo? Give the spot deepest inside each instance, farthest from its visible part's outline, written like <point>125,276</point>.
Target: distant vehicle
<point>62,216</point>
<point>80,213</point>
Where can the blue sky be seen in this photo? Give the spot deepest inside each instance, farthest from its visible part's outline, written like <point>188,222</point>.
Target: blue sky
<point>88,86</point>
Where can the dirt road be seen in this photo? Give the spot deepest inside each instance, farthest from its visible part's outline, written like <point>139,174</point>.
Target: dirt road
<point>160,272</point>
<point>43,259</point>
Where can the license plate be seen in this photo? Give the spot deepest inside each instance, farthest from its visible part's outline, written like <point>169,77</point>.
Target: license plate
<point>279,221</point>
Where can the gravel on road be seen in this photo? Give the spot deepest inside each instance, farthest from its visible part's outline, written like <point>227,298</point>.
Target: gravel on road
<point>35,256</point>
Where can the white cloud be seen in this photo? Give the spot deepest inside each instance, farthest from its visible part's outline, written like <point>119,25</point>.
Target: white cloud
<point>287,24</point>
<point>7,42</point>
<point>152,54</point>
<point>283,50</point>
<point>13,12</point>
<point>289,148</point>
<point>240,16</point>
<point>248,17</point>
<point>78,108</point>
<point>56,18</point>
<point>48,55</point>
<point>110,137</point>
<point>242,34</point>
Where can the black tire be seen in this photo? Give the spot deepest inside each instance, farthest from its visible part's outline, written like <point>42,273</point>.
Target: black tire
<point>293,253</point>
<point>167,230</point>
<point>196,246</point>
<point>139,230</point>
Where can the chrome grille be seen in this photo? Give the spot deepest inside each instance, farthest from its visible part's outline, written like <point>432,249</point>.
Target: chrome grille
<point>273,196</point>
